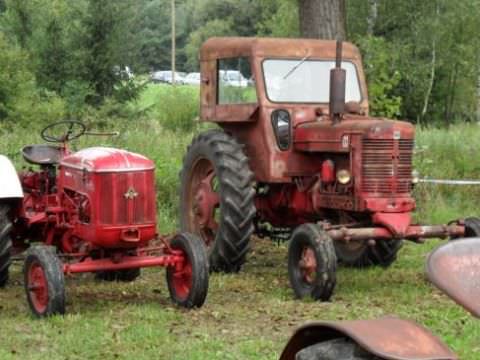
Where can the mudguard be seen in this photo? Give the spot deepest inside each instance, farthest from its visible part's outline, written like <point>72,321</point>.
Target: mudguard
<point>10,187</point>
<point>387,338</point>
<point>455,269</point>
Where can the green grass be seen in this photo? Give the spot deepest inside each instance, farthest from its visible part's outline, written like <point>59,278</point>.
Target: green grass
<point>252,314</point>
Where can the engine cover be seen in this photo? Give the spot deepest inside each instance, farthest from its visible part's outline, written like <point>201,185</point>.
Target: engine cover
<point>115,196</point>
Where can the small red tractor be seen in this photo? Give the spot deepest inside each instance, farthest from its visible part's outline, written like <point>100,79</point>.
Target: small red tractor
<point>297,156</point>
<point>89,211</point>
<point>453,267</point>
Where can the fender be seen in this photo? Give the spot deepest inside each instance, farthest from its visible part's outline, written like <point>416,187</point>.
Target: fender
<point>387,338</point>
<point>10,187</point>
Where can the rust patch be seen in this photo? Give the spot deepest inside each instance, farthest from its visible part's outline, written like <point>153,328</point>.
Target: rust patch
<point>455,269</point>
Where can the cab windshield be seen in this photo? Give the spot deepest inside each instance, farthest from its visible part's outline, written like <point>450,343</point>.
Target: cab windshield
<point>306,80</point>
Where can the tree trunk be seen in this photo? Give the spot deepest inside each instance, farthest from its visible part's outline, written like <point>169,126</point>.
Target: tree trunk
<point>322,19</point>
<point>372,16</point>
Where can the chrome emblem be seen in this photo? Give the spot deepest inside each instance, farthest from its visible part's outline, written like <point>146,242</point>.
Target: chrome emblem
<point>131,194</point>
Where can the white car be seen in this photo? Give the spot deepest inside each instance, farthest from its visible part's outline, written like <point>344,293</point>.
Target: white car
<point>192,79</point>
<point>166,77</point>
<point>233,78</point>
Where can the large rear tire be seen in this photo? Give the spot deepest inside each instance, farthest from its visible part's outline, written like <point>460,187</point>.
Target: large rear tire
<point>127,275</point>
<point>5,244</point>
<point>362,255</point>
<point>217,198</point>
<point>312,263</point>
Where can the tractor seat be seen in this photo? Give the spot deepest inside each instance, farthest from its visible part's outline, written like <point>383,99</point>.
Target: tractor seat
<point>42,154</point>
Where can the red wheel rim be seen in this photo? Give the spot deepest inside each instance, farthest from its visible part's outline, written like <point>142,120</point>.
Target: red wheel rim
<point>308,265</point>
<point>203,201</point>
<point>182,279</point>
<point>37,287</point>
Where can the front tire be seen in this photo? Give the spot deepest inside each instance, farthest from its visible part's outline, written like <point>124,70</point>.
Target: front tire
<point>188,282</point>
<point>217,198</point>
<point>312,263</point>
<point>340,348</point>
<point>5,244</point>
<point>44,281</point>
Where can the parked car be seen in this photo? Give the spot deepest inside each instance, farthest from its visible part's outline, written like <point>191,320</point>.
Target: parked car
<point>193,79</point>
<point>233,78</point>
<point>166,77</point>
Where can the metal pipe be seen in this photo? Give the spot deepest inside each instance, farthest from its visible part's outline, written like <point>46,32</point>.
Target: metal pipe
<point>127,262</point>
<point>414,233</point>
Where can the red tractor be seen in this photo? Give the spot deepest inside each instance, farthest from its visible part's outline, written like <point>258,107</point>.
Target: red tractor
<point>297,156</point>
<point>89,211</point>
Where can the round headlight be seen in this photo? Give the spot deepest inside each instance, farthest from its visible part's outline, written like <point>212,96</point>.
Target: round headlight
<point>415,177</point>
<point>281,127</point>
<point>343,176</point>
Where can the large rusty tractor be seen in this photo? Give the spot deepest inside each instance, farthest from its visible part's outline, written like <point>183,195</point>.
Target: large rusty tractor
<point>297,156</point>
<point>93,211</point>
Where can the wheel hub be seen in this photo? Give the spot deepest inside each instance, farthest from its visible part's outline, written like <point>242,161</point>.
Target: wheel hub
<point>205,203</point>
<point>38,287</point>
<point>182,278</point>
<point>308,265</point>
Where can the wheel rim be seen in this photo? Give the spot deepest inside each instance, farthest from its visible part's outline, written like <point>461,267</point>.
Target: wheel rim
<point>203,201</point>
<point>182,279</point>
<point>308,265</point>
<point>37,287</point>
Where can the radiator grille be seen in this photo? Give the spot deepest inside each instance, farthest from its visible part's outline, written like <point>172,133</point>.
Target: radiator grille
<point>116,208</point>
<point>387,166</point>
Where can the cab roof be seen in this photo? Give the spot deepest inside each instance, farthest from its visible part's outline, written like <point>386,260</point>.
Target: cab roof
<point>226,47</point>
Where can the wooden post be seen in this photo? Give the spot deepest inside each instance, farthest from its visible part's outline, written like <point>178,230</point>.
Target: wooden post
<point>173,42</point>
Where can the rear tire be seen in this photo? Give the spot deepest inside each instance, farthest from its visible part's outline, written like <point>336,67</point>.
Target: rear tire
<point>5,244</point>
<point>342,348</point>
<point>127,275</point>
<point>44,281</point>
<point>312,263</point>
<point>188,283</point>
<point>217,198</point>
<point>361,255</point>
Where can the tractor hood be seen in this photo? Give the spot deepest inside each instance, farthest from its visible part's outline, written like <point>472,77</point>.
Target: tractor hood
<point>322,134</point>
<point>103,159</point>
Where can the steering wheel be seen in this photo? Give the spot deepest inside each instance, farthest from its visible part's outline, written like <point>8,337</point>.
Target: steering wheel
<point>67,131</point>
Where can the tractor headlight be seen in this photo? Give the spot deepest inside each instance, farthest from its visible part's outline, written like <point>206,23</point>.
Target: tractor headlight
<point>343,176</point>
<point>415,177</point>
<point>281,127</point>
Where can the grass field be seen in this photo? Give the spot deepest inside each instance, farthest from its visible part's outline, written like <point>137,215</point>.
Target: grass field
<point>249,315</point>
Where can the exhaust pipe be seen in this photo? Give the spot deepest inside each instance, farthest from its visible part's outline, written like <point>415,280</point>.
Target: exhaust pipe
<point>337,86</point>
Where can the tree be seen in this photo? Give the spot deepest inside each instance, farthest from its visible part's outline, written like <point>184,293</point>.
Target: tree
<point>322,19</point>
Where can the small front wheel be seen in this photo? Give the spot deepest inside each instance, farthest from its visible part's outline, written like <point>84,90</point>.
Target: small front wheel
<point>188,280</point>
<point>44,281</point>
<point>312,263</point>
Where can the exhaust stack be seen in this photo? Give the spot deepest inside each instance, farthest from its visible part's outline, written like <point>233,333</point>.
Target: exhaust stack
<point>337,87</point>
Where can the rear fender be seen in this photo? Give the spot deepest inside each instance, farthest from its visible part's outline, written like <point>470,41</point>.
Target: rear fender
<point>10,187</point>
<point>387,338</point>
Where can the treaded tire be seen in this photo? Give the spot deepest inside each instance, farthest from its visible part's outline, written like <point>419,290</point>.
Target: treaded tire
<point>5,244</point>
<point>228,244</point>
<point>189,286</point>
<point>127,275</point>
<point>340,348</point>
<point>383,253</point>
<point>321,279</point>
<point>472,227</point>
<point>44,281</point>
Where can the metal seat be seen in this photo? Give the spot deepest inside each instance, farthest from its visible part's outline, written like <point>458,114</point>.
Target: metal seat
<point>42,154</point>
